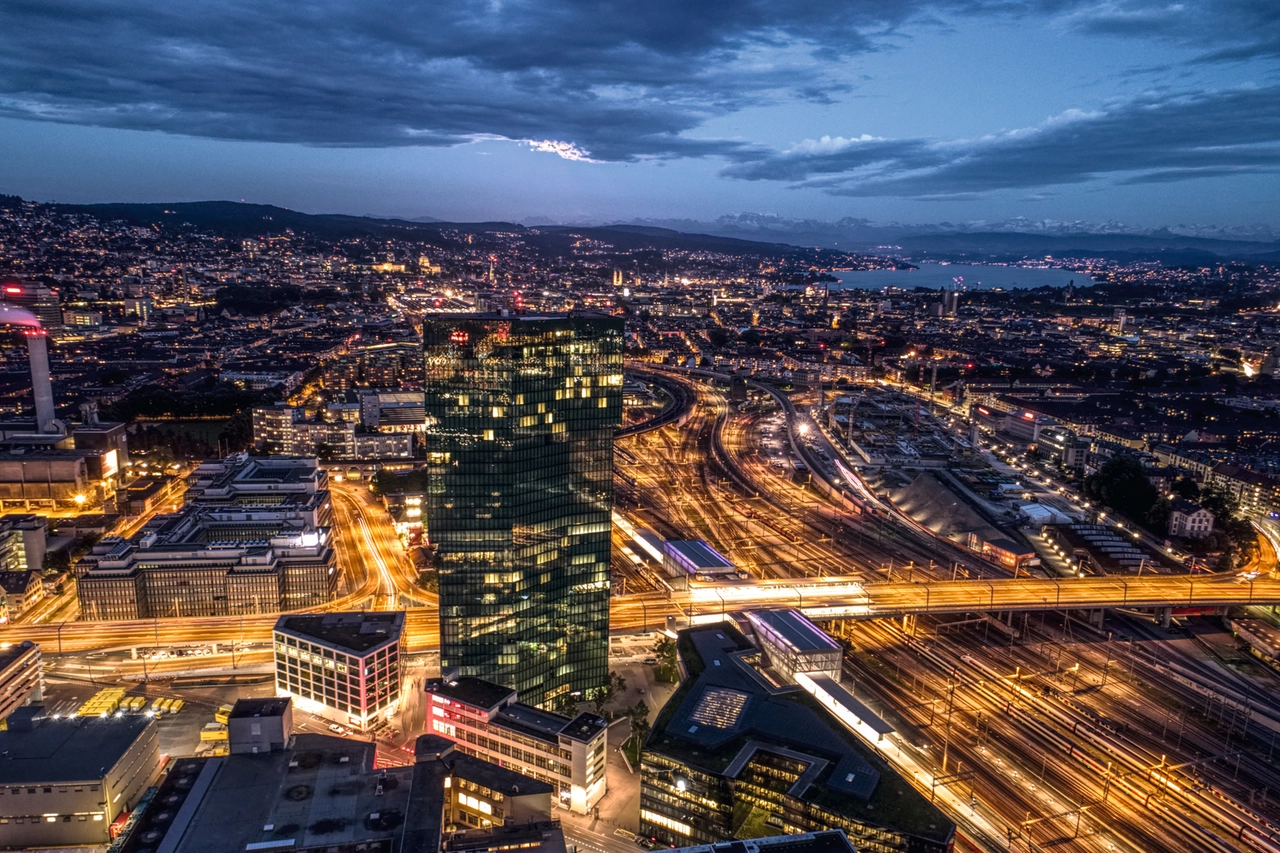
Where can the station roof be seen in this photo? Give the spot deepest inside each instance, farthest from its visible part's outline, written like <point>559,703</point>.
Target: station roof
<point>794,629</point>
<point>699,554</point>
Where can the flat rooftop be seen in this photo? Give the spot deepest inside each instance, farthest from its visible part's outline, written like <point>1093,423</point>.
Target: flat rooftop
<point>79,749</point>
<point>355,633</point>
<point>472,691</point>
<point>324,792</point>
<point>270,707</point>
<point>794,629</point>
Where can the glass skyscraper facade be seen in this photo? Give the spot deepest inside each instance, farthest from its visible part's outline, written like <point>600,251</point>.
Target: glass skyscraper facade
<point>521,413</point>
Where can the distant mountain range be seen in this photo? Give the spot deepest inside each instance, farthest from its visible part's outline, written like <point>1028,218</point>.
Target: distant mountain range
<point>1007,240</point>
<point>746,233</point>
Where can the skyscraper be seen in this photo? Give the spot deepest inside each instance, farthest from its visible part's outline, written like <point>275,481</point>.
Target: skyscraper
<point>520,418</point>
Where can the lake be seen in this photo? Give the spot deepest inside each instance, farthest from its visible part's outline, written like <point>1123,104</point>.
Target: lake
<point>976,277</point>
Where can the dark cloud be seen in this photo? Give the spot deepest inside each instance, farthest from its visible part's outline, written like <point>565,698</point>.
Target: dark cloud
<point>599,79</point>
<point>615,80</point>
<point>1148,140</point>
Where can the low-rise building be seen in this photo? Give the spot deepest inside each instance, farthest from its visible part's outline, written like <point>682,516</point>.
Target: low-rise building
<point>63,782</point>
<point>20,590</point>
<point>487,721</point>
<point>1190,520</point>
<point>343,666</point>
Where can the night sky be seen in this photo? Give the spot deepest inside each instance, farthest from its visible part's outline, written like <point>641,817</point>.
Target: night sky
<point>1144,111</point>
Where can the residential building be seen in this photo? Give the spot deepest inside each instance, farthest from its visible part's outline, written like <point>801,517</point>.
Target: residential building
<point>521,412</point>
<point>1190,520</point>
<point>20,591</point>
<point>21,677</point>
<point>487,721</point>
<point>284,429</point>
<point>63,782</point>
<point>342,666</point>
<point>733,754</point>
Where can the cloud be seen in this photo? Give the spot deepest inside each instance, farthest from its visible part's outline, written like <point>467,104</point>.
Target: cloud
<point>1153,139</point>
<point>619,79</point>
<point>601,80</point>
<point>566,150</point>
<point>1223,30</point>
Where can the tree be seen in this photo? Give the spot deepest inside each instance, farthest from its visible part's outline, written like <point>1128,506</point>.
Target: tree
<point>1185,487</point>
<point>1122,484</point>
<point>718,337</point>
<point>1221,503</point>
<point>638,714</point>
<point>604,694</point>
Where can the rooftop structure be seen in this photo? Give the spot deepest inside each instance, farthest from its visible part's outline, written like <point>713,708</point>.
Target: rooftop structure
<point>828,841</point>
<point>325,794</point>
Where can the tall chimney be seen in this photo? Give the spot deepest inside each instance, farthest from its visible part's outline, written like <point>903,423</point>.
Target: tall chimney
<point>41,383</point>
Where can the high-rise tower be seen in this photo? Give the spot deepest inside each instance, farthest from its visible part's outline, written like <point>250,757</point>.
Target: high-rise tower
<point>520,418</point>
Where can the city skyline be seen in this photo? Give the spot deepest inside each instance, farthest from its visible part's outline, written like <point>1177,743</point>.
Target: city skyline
<point>549,111</point>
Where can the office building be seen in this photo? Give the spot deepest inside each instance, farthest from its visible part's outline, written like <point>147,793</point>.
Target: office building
<point>734,756</point>
<point>343,666</point>
<point>64,782</point>
<point>520,419</point>
<point>792,644</point>
<point>37,298</point>
<point>297,486</point>
<point>21,677</point>
<point>211,561</point>
<point>322,794</point>
<point>486,721</point>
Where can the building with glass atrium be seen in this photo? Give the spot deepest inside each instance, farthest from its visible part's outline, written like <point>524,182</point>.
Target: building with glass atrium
<point>521,412</point>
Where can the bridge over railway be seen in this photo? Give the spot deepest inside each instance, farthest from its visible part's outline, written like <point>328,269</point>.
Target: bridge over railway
<point>822,600</point>
<point>842,599</point>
